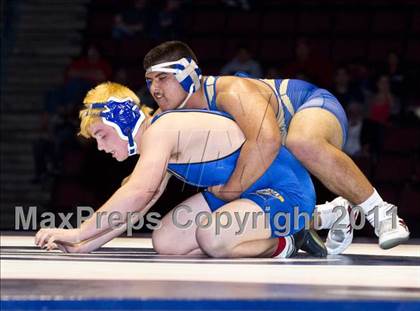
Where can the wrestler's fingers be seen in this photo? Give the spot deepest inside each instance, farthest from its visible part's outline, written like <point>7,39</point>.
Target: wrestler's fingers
<point>51,246</point>
<point>38,236</point>
<point>50,242</point>
<point>44,237</point>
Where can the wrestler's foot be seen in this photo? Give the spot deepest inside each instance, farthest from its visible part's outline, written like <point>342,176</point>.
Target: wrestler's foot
<point>306,240</point>
<point>390,235</point>
<point>313,245</point>
<point>392,230</point>
<point>340,235</point>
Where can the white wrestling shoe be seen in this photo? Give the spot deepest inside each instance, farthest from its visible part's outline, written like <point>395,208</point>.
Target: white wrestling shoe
<point>391,235</point>
<point>340,235</point>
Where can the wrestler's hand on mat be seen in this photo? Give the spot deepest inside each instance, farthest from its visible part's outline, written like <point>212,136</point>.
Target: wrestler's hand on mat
<point>65,248</point>
<point>224,193</point>
<point>47,236</point>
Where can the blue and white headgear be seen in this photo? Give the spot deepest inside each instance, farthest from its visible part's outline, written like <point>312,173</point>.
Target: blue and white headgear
<point>186,71</point>
<point>124,116</point>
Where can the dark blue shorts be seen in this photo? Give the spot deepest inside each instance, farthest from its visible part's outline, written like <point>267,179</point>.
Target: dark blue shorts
<point>287,215</point>
<point>321,98</point>
<point>284,192</point>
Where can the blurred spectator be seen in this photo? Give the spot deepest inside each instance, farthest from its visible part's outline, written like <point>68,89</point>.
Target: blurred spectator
<point>344,89</point>
<point>90,67</point>
<point>242,4</point>
<point>365,137</point>
<point>170,21</point>
<point>243,62</point>
<point>132,22</point>
<point>360,75</point>
<point>58,128</point>
<point>121,76</point>
<point>395,73</point>
<point>60,120</point>
<point>353,145</point>
<point>383,103</point>
<point>411,114</point>
<point>308,66</point>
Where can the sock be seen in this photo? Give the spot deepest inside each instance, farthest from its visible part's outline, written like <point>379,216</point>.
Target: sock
<point>372,202</point>
<point>284,248</point>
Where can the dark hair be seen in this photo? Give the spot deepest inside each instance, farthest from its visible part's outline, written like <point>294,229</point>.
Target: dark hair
<point>167,52</point>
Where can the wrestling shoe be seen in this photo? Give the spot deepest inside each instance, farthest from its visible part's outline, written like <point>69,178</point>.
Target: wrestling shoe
<point>391,234</point>
<point>313,245</point>
<point>340,235</point>
<point>306,240</point>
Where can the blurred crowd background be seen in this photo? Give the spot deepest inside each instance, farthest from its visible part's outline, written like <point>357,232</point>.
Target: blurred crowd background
<point>367,53</point>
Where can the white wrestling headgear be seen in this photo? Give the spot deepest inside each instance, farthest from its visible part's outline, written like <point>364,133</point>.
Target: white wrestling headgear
<point>187,73</point>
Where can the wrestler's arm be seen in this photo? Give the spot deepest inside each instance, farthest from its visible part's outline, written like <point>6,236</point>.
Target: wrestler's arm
<point>139,190</point>
<point>132,197</point>
<point>99,240</point>
<point>257,120</point>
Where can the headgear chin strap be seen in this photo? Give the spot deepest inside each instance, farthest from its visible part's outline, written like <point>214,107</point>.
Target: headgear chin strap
<point>124,116</point>
<point>187,73</point>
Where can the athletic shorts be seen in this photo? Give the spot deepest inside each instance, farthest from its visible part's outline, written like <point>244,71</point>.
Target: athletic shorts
<point>285,214</point>
<point>321,98</point>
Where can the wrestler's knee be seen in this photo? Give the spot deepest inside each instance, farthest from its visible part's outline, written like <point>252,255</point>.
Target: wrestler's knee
<point>212,244</point>
<point>164,244</point>
<point>158,241</point>
<point>305,148</point>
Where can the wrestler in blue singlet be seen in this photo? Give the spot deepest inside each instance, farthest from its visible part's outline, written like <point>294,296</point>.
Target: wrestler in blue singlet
<point>292,96</point>
<point>285,187</point>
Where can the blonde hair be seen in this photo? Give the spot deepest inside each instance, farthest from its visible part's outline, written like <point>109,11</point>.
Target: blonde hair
<point>99,94</point>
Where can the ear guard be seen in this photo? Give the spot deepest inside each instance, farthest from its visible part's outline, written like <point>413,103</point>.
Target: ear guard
<point>124,116</point>
<point>186,71</point>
